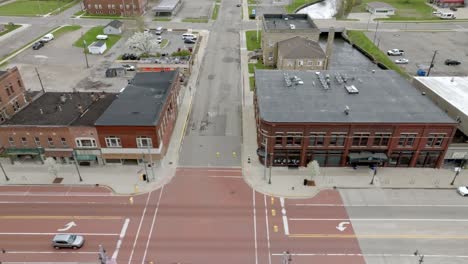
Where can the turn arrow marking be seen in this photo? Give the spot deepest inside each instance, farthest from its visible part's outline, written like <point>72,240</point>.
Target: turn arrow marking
<point>67,226</point>
<point>341,226</point>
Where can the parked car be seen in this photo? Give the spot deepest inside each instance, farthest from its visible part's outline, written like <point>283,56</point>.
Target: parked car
<point>67,241</point>
<point>159,30</point>
<point>189,41</point>
<point>189,36</point>
<point>38,45</point>
<point>47,37</point>
<point>128,67</point>
<point>463,190</point>
<point>453,8</point>
<point>395,52</point>
<point>130,56</point>
<point>102,37</point>
<point>451,62</point>
<point>402,61</point>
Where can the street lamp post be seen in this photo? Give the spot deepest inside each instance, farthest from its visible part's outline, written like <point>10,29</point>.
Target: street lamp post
<point>4,173</point>
<point>373,176</point>
<point>84,51</point>
<point>457,172</point>
<point>76,166</point>
<point>271,164</point>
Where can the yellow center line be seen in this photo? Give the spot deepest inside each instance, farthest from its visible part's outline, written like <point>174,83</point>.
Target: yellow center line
<point>60,217</point>
<point>380,236</point>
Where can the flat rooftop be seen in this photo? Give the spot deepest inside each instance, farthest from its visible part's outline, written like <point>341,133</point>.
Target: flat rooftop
<point>166,5</point>
<point>63,109</point>
<point>141,102</point>
<point>284,21</point>
<point>383,97</point>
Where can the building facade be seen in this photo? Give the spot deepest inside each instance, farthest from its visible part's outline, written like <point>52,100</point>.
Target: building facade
<point>346,119</point>
<point>114,7</point>
<point>13,95</point>
<point>279,27</point>
<point>138,126</point>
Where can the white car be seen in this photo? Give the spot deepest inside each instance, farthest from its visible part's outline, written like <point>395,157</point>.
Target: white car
<point>159,30</point>
<point>402,61</point>
<point>463,190</point>
<point>395,52</point>
<point>128,67</point>
<point>47,38</point>
<point>102,37</point>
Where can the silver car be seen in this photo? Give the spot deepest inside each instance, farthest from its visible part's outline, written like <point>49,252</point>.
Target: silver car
<point>67,241</point>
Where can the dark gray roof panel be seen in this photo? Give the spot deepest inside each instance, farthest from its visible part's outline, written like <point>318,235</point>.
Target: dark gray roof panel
<point>283,21</point>
<point>384,97</point>
<point>115,24</point>
<point>141,102</point>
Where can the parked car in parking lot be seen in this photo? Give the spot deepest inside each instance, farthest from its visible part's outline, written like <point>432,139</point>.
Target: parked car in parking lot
<point>38,45</point>
<point>451,62</point>
<point>189,41</point>
<point>130,56</point>
<point>453,8</point>
<point>67,241</point>
<point>395,52</point>
<point>158,31</point>
<point>47,37</point>
<point>463,190</point>
<point>402,61</point>
<point>128,67</point>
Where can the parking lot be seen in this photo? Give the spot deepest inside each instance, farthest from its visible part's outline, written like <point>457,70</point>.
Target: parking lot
<point>419,49</point>
<point>175,42</point>
<point>189,9</point>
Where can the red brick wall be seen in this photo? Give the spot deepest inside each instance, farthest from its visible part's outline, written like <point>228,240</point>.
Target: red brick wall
<point>119,7</point>
<point>13,78</point>
<point>18,132</point>
<point>127,135</point>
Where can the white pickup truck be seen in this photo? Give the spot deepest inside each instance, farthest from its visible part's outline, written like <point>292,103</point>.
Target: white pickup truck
<point>395,52</point>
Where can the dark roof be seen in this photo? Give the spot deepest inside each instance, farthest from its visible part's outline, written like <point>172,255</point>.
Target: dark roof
<point>384,97</point>
<point>299,47</point>
<point>141,102</point>
<point>98,43</point>
<point>115,24</point>
<point>62,109</point>
<point>284,21</point>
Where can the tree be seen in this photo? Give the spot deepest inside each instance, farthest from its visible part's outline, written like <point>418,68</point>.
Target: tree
<point>52,166</point>
<point>143,42</point>
<point>315,168</point>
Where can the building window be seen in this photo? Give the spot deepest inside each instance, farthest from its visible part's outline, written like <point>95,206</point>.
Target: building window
<point>337,139</point>
<point>100,6</point>
<point>3,115</point>
<point>16,106</point>
<point>50,141</point>
<point>144,142</point>
<point>279,138</point>
<point>293,139</point>
<point>37,141</point>
<point>300,62</point>
<point>435,140</point>
<point>89,6</point>
<point>109,6</point>
<point>121,6</point>
<point>381,139</point>
<point>11,141</point>
<point>113,142</point>
<point>86,142</point>
<point>19,83</point>
<point>127,6</point>
<point>96,7</point>
<point>8,91</point>
<point>360,139</point>
<point>24,142</point>
<point>406,140</point>
<point>64,142</point>
<point>317,139</point>
<point>113,6</point>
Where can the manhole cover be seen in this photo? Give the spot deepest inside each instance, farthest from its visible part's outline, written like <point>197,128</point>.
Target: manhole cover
<point>58,180</point>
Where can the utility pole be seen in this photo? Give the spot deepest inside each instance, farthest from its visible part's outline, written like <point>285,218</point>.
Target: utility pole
<point>84,51</point>
<point>151,162</point>
<point>102,255</point>
<point>376,29</point>
<point>265,159</point>
<point>40,81</point>
<point>76,166</point>
<point>457,172</point>
<point>271,164</point>
<point>432,63</point>
<point>144,166</point>
<point>6,177</point>
<point>373,176</point>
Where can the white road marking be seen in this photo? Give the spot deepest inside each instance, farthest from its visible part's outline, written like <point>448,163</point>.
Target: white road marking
<point>255,226</point>
<point>122,235</point>
<point>285,218</point>
<point>386,205</point>
<point>239,177</point>
<point>139,227</point>
<point>267,229</point>
<point>370,255</point>
<point>53,194</point>
<point>48,234</point>
<point>152,225</point>
<point>380,219</point>
<point>50,252</point>
<point>33,202</point>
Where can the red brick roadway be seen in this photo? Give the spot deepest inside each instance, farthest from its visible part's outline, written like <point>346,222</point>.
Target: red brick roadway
<point>204,215</point>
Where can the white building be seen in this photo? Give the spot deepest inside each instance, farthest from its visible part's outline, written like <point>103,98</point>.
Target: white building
<point>113,28</point>
<point>380,8</point>
<point>97,47</point>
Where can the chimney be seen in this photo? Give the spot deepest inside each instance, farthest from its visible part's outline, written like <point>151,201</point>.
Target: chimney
<point>329,48</point>
<point>346,110</point>
<point>40,110</point>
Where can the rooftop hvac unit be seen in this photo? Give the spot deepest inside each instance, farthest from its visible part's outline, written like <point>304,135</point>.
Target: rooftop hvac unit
<point>292,26</point>
<point>351,89</point>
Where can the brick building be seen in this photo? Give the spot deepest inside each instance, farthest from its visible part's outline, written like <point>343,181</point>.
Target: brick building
<point>279,27</point>
<point>342,118</point>
<point>115,7</point>
<point>140,122</point>
<point>13,95</point>
<point>57,125</point>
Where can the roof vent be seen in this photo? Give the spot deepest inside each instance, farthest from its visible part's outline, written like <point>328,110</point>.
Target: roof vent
<point>292,26</point>
<point>452,80</point>
<point>351,89</point>
<point>346,110</point>
<point>323,81</point>
<point>41,111</point>
<point>296,80</point>
<point>287,79</point>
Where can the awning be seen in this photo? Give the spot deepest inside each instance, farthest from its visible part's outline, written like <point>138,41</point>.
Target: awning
<point>366,156</point>
<point>85,157</point>
<point>24,151</point>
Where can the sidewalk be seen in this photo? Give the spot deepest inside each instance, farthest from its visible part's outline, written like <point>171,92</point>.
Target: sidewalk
<point>290,182</point>
<point>122,179</point>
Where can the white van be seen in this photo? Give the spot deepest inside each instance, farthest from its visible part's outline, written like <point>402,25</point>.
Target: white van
<point>447,15</point>
<point>188,36</point>
<point>47,38</point>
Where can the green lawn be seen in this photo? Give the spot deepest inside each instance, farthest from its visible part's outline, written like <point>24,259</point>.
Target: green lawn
<point>406,9</point>
<point>252,83</point>
<point>9,28</point>
<point>195,20</point>
<point>259,66</point>
<point>361,40</point>
<point>214,15</point>
<point>31,8</point>
<point>90,37</point>
<point>296,4</point>
<point>251,2</point>
<point>251,38</point>
<point>65,29</point>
